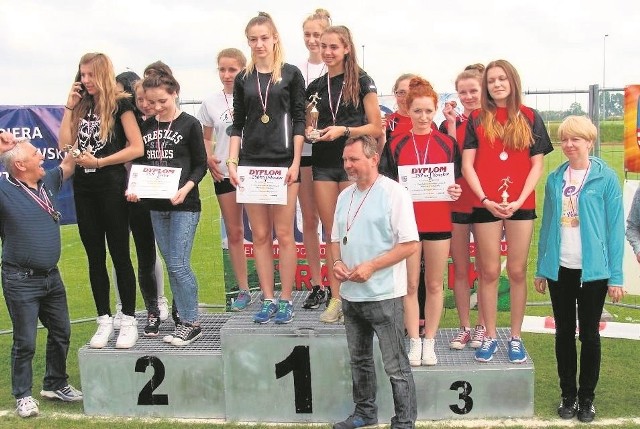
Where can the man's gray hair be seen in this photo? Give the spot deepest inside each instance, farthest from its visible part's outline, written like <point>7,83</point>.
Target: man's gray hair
<point>16,153</point>
<point>369,144</point>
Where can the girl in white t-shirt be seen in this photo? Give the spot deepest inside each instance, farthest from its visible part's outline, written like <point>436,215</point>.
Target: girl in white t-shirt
<point>216,116</point>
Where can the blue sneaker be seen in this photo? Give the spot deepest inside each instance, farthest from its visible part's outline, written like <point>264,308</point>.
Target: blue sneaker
<point>242,300</point>
<point>485,352</point>
<point>285,312</point>
<point>267,311</point>
<point>516,351</point>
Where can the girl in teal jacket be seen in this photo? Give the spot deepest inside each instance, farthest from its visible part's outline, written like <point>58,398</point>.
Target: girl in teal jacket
<point>580,255</point>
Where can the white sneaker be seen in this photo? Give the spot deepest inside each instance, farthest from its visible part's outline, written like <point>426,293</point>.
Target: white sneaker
<point>27,407</point>
<point>104,332</point>
<point>118,317</point>
<point>415,351</point>
<point>128,332</point>
<point>169,337</point>
<point>429,357</point>
<point>163,307</point>
<point>333,312</point>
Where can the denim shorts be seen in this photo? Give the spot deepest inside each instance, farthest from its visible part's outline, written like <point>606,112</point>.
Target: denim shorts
<point>329,174</point>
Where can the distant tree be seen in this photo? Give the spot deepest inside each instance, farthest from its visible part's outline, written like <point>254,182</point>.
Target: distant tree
<point>575,109</point>
<point>612,104</point>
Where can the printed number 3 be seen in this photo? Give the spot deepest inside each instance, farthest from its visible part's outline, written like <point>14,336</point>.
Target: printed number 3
<point>464,389</point>
<point>146,396</point>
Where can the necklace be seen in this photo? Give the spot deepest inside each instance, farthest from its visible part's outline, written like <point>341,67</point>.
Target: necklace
<point>426,151</point>
<point>319,74</point>
<point>575,221</point>
<point>229,109</point>
<point>264,118</point>
<point>334,113</point>
<point>344,239</point>
<point>160,147</point>
<point>42,200</point>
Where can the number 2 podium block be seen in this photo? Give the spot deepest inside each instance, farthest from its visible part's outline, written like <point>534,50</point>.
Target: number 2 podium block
<point>154,378</point>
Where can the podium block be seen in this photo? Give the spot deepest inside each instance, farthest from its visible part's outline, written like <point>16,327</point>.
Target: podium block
<point>154,378</point>
<point>297,372</point>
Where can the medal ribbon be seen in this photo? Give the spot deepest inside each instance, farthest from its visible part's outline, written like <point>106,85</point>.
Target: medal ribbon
<point>42,200</point>
<point>266,93</point>
<point>334,113</point>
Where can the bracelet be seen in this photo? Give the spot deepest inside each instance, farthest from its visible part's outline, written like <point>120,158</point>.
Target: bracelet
<point>97,162</point>
<point>336,261</point>
<point>347,131</point>
<point>68,108</point>
<point>232,161</point>
<point>484,199</point>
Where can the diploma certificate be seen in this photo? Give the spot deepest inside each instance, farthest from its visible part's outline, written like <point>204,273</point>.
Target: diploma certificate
<point>262,185</point>
<point>427,182</point>
<point>148,181</point>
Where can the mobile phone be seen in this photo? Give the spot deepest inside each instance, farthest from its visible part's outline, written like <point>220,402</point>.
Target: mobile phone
<point>83,90</point>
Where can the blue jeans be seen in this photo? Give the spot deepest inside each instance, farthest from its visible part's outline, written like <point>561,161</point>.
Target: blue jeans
<point>385,318</point>
<point>29,297</point>
<point>589,296</point>
<point>175,231</point>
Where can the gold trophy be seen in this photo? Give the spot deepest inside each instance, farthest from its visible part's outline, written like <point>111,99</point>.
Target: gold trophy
<point>505,195</point>
<point>313,113</point>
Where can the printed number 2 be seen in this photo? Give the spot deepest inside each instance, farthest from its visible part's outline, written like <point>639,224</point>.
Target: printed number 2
<point>464,389</point>
<point>298,362</point>
<point>146,396</point>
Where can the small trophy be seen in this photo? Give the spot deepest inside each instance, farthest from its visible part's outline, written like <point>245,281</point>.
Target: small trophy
<point>75,152</point>
<point>505,195</point>
<point>313,113</point>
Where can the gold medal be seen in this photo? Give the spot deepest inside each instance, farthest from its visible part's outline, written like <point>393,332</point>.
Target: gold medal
<point>264,118</point>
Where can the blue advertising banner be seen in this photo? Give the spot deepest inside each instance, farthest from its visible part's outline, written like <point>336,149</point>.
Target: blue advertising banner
<point>41,124</point>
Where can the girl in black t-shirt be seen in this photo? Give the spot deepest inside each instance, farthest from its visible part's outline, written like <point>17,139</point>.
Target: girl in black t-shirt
<point>347,106</point>
<point>268,106</point>
<point>100,121</point>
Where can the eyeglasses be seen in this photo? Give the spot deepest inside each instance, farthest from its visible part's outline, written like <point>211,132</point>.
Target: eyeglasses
<point>401,93</point>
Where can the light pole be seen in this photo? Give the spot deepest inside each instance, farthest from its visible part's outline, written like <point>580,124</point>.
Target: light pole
<point>604,71</point>
<point>362,56</point>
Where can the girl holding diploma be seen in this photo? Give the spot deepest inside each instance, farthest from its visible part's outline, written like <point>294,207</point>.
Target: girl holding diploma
<point>268,106</point>
<point>422,145</point>
<point>174,139</point>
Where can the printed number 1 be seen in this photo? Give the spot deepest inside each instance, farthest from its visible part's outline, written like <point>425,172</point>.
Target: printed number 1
<point>299,363</point>
<point>146,396</point>
<point>464,389</point>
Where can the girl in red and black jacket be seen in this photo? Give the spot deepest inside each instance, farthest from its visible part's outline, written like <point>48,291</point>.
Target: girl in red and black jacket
<point>469,86</point>
<point>502,161</point>
<point>424,144</point>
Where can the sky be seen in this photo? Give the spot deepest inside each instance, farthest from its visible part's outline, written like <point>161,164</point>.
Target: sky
<point>555,45</point>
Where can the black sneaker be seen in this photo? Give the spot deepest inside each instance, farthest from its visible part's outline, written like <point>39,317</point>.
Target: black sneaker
<point>586,411</point>
<point>316,297</point>
<point>186,334</point>
<point>153,326</point>
<point>568,408</point>
<point>353,422</point>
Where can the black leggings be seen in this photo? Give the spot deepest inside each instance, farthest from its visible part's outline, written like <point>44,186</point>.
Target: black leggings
<point>143,237</point>
<point>103,215</point>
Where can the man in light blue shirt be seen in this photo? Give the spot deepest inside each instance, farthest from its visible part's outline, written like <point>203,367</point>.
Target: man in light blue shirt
<point>374,231</point>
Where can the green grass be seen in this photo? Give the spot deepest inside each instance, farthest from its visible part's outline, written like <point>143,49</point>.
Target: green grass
<point>615,392</point>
